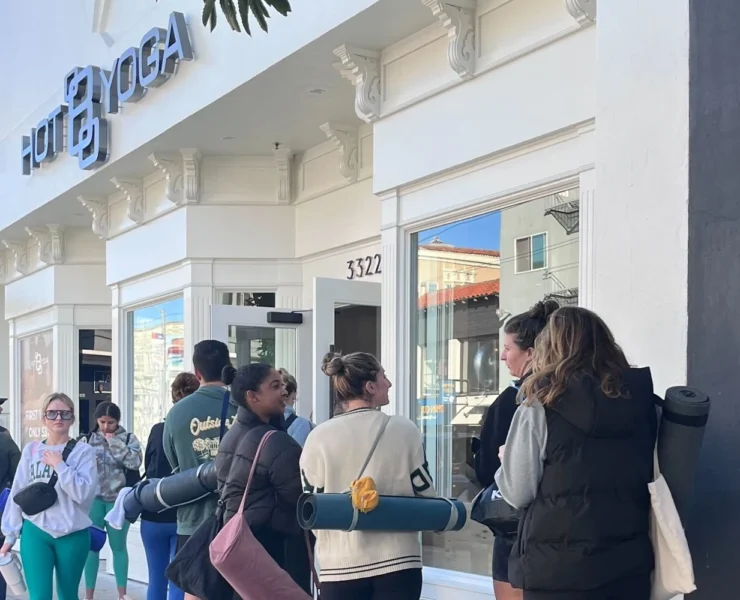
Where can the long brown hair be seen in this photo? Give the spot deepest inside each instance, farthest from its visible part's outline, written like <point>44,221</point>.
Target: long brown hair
<point>575,342</point>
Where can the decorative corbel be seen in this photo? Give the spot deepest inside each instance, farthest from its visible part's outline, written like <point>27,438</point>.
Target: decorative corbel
<point>3,270</point>
<point>19,251</point>
<point>346,139</point>
<point>51,243</point>
<point>284,163</point>
<point>98,208</point>
<point>458,18</point>
<point>173,171</point>
<point>583,11</point>
<point>191,175</point>
<point>134,192</point>
<point>362,68</point>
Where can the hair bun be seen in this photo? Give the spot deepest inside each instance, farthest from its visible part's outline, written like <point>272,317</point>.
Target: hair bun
<point>333,364</point>
<point>543,309</point>
<point>228,373</point>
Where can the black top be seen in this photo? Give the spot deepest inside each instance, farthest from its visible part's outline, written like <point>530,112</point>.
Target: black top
<point>271,505</point>
<point>496,424</point>
<point>589,525</point>
<point>157,466</point>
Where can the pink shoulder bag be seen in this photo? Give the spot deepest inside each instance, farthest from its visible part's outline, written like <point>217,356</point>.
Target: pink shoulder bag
<point>244,562</point>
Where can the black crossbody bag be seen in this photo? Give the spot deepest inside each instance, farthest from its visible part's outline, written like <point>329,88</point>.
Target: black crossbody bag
<point>42,495</point>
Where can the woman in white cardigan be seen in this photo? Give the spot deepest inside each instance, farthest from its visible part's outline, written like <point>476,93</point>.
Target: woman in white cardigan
<point>365,565</point>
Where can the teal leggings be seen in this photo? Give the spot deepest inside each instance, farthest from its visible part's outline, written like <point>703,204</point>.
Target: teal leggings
<point>42,554</point>
<point>117,543</point>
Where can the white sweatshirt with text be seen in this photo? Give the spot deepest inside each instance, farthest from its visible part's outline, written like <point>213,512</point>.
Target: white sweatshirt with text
<point>76,487</point>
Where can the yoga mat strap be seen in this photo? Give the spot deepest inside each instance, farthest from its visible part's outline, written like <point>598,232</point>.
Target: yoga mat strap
<point>453,515</point>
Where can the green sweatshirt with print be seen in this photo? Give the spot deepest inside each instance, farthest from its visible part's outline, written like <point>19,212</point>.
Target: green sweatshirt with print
<point>191,438</point>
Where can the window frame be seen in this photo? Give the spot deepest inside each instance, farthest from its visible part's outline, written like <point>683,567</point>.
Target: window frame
<point>531,269</point>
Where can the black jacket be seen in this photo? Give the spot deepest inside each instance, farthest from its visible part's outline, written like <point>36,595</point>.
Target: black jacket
<point>588,526</point>
<point>157,466</point>
<point>270,509</point>
<point>496,425</point>
<point>10,455</point>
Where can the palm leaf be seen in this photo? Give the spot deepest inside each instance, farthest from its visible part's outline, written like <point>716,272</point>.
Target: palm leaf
<point>244,13</point>
<point>259,11</point>
<point>229,10</point>
<point>209,13</point>
<point>282,6</point>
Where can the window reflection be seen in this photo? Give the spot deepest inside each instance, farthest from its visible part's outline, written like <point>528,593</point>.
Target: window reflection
<point>471,276</point>
<point>157,335</point>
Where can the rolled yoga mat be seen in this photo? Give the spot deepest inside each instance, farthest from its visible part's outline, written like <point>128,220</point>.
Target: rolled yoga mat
<point>393,513</point>
<point>156,495</point>
<point>685,412</point>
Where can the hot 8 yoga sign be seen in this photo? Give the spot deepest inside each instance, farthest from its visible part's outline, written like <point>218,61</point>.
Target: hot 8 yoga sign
<point>92,93</point>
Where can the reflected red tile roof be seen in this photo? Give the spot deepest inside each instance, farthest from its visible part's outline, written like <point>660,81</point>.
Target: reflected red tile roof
<point>455,250</point>
<point>460,293</point>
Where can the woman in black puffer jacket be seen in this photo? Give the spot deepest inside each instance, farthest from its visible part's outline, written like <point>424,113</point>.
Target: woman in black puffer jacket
<point>270,508</point>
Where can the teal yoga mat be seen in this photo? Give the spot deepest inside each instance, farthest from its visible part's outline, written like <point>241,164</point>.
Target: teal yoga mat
<point>393,513</point>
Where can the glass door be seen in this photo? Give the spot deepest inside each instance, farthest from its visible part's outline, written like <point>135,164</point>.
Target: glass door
<point>281,338</point>
<point>346,318</point>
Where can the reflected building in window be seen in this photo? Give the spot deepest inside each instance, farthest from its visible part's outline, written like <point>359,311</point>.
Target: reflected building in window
<point>470,277</point>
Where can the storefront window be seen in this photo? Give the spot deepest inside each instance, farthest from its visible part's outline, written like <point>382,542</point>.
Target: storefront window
<point>471,276</point>
<point>157,337</point>
<point>37,382</point>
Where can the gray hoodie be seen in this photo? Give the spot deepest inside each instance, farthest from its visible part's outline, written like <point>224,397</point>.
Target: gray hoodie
<point>114,456</point>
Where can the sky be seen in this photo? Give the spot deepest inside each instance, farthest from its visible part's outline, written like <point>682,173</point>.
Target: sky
<point>143,317</point>
<point>482,232</point>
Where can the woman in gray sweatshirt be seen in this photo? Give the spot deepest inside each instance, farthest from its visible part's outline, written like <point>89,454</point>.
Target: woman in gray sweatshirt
<point>119,459</point>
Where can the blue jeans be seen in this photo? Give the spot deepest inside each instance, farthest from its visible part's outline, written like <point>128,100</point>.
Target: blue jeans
<point>159,543</point>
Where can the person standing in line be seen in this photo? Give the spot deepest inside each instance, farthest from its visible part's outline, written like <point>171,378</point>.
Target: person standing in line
<point>192,430</point>
<point>578,461</point>
<point>520,333</point>
<point>297,427</point>
<point>118,452</point>
<point>270,509</point>
<point>10,454</point>
<point>56,539</point>
<point>366,565</point>
<point>159,530</point>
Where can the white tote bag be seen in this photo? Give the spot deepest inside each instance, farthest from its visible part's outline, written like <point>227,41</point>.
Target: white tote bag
<point>674,571</point>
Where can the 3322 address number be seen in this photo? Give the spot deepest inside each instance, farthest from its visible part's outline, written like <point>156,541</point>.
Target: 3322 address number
<point>364,267</point>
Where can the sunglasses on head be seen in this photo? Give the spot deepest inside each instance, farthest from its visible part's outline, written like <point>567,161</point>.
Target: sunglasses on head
<point>53,415</point>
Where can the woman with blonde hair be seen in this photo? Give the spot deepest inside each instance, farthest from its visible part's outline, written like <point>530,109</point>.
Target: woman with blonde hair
<point>578,460</point>
<point>366,565</point>
<point>54,538</point>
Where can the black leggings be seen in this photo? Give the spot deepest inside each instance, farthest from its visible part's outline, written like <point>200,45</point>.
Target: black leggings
<point>402,585</point>
<point>634,588</point>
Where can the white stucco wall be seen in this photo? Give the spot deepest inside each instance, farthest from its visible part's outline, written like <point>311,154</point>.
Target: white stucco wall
<point>640,249</point>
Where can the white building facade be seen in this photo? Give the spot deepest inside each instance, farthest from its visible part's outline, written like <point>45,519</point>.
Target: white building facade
<point>276,191</point>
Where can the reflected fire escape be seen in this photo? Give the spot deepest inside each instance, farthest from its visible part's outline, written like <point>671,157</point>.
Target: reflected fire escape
<point>565,210</point>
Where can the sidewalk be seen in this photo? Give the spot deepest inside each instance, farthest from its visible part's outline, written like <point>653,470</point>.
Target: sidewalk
<point>105,590</point>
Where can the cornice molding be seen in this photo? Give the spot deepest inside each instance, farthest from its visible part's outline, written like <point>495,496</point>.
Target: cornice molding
<point>173,168</point>
<point>191,158</point>
<point>583,11</point>
<point>458,18</point>
<point>346,138</point>
<point>284,164</point>
<point>133,190</point>
<point>362,68</point>
<point>51,243</point>
<point>98,208</point>
<point>19,252</point>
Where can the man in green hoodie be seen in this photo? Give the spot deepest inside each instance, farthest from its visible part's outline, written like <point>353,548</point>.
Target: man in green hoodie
<point>193,426</point>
